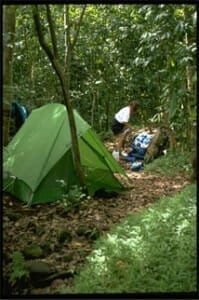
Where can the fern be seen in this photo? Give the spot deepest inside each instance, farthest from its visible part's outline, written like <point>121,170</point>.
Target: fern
<point>18,267</point>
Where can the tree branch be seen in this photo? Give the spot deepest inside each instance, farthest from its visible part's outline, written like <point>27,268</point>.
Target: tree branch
<point>52,31</point>
<point>68,27</point>
<point>42,41</point>
<point>78,27</point>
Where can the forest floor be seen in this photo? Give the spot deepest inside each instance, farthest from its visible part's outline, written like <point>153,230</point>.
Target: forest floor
<point>41,225</point>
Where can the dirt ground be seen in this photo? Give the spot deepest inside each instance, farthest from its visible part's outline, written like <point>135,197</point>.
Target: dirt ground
<point>41,225</point>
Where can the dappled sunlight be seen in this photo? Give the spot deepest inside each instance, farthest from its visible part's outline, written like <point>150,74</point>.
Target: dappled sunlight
<point>181,227</point>
<point>116,245</point>
<point>98,259</point>
<point>130,245</point>
<point>177,186</point>
<point>148,253</point>
<point>132,242</point>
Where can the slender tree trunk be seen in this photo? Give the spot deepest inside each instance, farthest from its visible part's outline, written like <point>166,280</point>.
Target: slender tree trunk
<point>30,63</point>
<point>187,102</point>
<point>66,80</point>
<point>107,114</point>
<point>65,32</point>
<point>8,49</point>
<point>52,54</point>
<point>93,107</point>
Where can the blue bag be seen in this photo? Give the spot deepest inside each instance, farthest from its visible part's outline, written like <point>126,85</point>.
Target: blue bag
<point>136,166</point>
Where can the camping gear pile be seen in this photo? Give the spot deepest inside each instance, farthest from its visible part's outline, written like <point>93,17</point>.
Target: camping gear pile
<point>40,156</point>
<point>146,147</point>
<point>139,147</point>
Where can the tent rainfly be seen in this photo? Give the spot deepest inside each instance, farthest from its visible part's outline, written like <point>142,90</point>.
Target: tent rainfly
<point>40,156</point>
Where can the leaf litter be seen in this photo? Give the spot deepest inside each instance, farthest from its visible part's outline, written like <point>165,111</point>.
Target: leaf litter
<point>41,225</point>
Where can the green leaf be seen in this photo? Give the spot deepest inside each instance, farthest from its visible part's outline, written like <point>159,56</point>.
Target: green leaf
<point>18,266</point>
<point>173,106</point>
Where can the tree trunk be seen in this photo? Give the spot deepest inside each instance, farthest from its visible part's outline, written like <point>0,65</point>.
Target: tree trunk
<point>107,114</point>
<point>8,47</point>
<point>93,108</point>
<point>189,86</point>
<point>65,32</point>
<point>64,81</point>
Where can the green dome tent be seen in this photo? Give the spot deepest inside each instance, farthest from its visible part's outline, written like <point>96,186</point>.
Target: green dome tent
<point>39,156</point>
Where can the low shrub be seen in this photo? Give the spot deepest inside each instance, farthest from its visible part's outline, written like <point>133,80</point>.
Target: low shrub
<point>171,163</point>
<point>71,199</point>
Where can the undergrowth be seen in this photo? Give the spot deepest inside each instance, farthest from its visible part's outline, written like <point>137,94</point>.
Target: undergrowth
<point>72,198</point>
<point>19,269</point>
<point>171,163</point>
<point>150,251</point>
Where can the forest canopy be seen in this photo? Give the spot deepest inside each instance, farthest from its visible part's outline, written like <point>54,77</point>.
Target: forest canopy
<point>123,53</point>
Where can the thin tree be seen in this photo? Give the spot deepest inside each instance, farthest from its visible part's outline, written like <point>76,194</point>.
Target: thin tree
<point>9,17</point>
<point>64,77</point>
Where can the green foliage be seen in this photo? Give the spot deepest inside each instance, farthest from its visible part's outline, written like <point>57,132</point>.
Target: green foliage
<point>105,135</point>
<point>171,163</point>
<point>123,52</point>
<point>150,251</point>
<point>71,199</point>
<point>18,267</point>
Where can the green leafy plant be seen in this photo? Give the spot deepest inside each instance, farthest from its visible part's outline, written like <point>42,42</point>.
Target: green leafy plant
<point>171,163</point>
<point>72,198</point>
<point>18,267</point>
